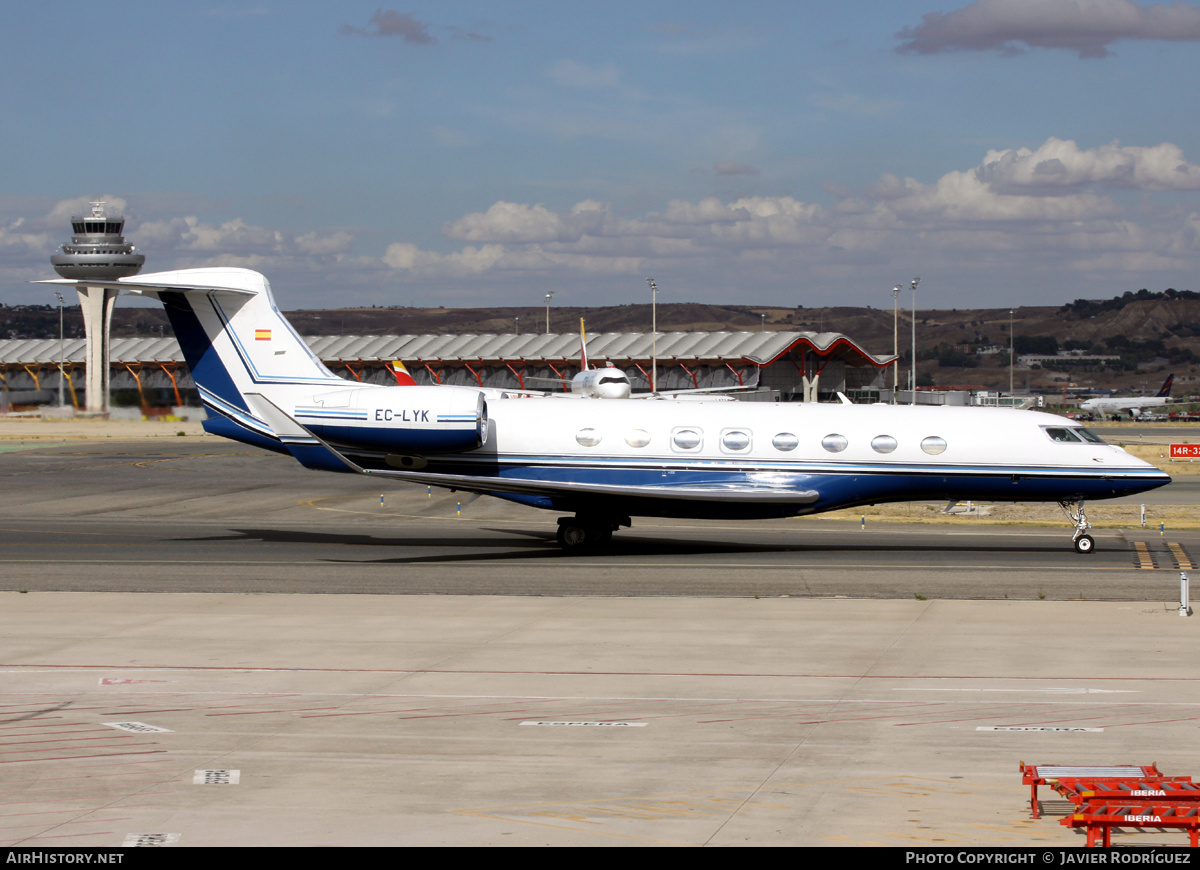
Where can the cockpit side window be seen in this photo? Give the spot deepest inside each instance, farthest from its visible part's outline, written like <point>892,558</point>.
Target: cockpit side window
<point>1089,435</point>
<point>1062,435</point>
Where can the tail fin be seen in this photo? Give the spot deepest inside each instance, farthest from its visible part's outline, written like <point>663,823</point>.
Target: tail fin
<point>400,373</point>
<point>1165,392</point>
<point>232,335</point>
<point>583,363</point>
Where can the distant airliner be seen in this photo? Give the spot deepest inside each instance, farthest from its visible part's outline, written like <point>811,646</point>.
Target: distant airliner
<point>1132,404</point>
<point>612,383</point>
<point>606,383</point>
<point>604,462</point>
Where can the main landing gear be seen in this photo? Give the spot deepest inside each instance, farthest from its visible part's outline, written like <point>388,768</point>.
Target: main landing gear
<point>1084,543</point>
<point>579,534</point>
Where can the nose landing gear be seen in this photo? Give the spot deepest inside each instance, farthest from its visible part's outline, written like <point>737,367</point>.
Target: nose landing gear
<point>1083,542</point>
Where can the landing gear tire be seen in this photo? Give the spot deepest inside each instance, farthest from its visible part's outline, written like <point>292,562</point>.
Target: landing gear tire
<point>571,537</point>
<point>1085,544</point>
<point>586,534</point>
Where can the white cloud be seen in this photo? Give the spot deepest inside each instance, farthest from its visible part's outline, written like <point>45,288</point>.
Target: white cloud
<point>204,243</point>
<point>1060,164</point>
<point>514,222</point>
<point>508,222</point>
<point>17,241</point>
<point>1055,209</point>
<point>320,246</point>
<point>965,196</point>
<point>1087,27</point>
<point>1045,206</point>
<point>60,216</point>
<point>474,261</point>
<point>231,236</point>
<point>27,242</point>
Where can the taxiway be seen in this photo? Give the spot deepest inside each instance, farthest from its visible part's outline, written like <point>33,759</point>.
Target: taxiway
<point>206,645</point>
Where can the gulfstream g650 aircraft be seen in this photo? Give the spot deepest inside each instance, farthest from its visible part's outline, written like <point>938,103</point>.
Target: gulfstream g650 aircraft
<point>605,461</point>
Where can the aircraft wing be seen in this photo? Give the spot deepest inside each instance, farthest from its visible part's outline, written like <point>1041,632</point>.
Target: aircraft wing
<point>524,486</point>
<point>313,452</point>
<point>698,390</point>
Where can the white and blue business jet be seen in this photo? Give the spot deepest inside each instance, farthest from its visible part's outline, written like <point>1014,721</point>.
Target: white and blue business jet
<point>605,461</point>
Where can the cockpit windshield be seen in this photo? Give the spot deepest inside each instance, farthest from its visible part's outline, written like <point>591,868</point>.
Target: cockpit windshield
<point>1062,435</point>
<point>1072,435</point>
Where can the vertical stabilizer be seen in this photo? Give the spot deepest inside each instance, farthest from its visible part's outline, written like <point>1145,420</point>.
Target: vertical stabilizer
<point>401,374</point>
<point>233,337</point>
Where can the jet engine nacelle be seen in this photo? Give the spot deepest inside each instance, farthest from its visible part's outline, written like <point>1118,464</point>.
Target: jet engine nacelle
<point>605,383</point>
<point>418,419</point>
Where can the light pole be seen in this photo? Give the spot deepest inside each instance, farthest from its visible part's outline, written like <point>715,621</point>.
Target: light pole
<point>895,342</point>
<point>763,328</point>
<point>517,324</point>
<point>61,365</point>
<point>1010,352</point>
<point>654,335</point>
<point>915,282</point>
<point>549,296</point>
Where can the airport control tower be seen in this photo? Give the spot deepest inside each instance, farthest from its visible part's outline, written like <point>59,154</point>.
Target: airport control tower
<point>97,250</point>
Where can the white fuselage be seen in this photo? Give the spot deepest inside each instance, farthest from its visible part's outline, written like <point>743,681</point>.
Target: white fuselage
<point>637,434</point>
<point>973,437</point>
<point>617,457</point>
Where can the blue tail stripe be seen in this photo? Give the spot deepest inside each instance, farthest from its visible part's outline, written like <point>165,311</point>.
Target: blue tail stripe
<point>208,371</point>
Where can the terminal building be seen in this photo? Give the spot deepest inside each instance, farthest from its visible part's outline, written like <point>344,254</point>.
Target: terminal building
<point>775,366</point>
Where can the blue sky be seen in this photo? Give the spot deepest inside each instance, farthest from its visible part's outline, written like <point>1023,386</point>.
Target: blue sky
<point>485,153</point>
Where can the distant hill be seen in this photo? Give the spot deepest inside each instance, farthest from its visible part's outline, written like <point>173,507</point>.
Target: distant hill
<point>1152,332</point>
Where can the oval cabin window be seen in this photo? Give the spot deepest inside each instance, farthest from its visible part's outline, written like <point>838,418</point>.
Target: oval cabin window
<point>785,441</point>
<point>637,438</point>
<point>686,439</point>
<point>835,443</point>
<point>934,445</point>
<point>735,440</point>
<point>588,437</point>
<point>883,444</point>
